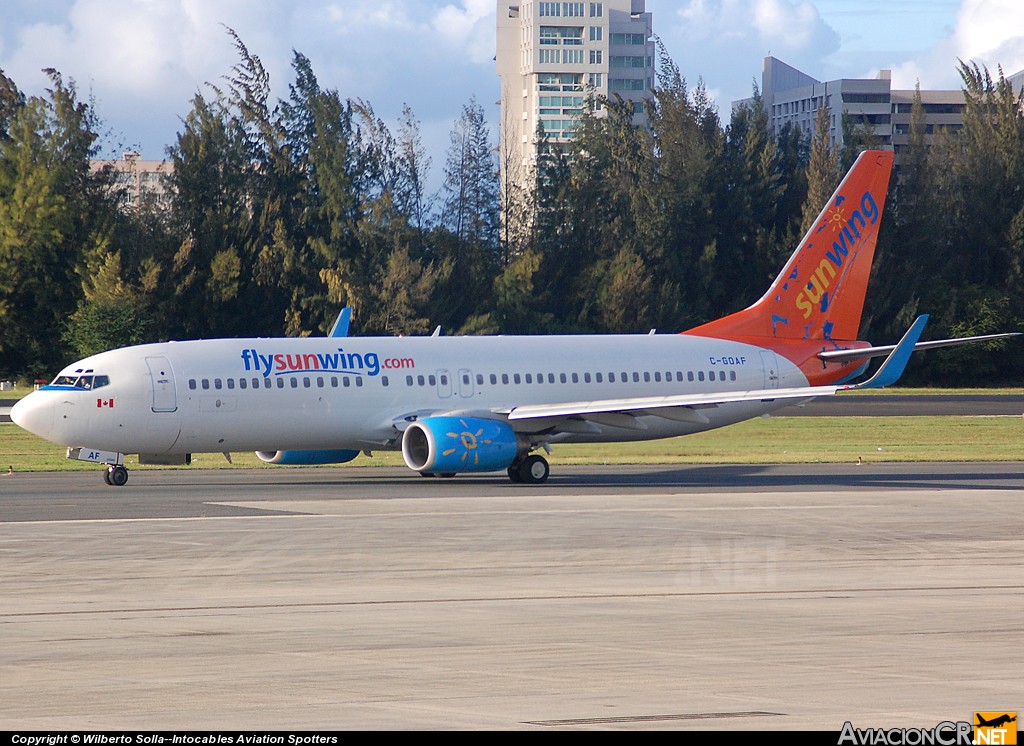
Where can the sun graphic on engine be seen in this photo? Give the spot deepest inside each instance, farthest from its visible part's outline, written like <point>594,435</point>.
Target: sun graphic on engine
<point>469,442</point>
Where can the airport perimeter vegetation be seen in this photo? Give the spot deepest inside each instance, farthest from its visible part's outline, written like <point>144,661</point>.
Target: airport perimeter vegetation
<point>768,440</point>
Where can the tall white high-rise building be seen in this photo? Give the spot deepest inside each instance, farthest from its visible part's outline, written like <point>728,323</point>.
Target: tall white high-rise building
<point>551,55</point>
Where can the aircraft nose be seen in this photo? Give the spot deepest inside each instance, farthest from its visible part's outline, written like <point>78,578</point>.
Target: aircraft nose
<point>35,414</point>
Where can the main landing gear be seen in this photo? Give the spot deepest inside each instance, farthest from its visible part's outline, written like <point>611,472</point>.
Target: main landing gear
<point>116,476</point>
<point>530,470</point>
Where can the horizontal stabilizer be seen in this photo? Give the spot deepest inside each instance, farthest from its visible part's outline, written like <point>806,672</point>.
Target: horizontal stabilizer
<point>866,352</point>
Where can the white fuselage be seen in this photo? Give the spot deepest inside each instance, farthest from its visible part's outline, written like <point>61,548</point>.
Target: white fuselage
<point>270,394</point>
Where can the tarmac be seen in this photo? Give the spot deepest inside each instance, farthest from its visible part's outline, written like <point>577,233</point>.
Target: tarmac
<point>613,598</point>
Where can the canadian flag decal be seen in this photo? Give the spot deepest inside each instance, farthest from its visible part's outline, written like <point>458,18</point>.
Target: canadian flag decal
<point>100,403</point>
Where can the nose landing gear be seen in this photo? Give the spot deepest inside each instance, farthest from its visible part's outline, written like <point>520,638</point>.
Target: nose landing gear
<point>116,476</point>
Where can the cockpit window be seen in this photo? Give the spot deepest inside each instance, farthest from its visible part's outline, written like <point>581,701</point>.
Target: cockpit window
<point>86,383</point>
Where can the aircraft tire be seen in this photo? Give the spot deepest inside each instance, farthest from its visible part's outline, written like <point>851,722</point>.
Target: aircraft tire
<point>106,477</point>
<point>534,470</point>
<point>118,476</point>
<point>513,472</point>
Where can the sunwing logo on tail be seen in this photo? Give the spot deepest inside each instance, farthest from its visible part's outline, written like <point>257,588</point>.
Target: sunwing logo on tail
<point>847,236</point>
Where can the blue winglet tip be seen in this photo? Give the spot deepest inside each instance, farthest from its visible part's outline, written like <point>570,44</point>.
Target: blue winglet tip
<point>340,328</point>
<point>894,365</point>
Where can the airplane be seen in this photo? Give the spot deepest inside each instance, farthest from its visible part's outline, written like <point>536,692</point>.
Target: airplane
<point>994,722</point>
<point>457,404</point>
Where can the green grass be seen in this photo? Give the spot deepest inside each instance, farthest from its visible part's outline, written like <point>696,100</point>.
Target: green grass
<point>758,441</point>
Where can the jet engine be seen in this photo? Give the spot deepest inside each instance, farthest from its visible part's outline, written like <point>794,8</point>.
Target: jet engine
<point>448,445</point>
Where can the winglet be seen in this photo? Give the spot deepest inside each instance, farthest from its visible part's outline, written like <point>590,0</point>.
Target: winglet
<point>340,328</point>
<point>891,370</point>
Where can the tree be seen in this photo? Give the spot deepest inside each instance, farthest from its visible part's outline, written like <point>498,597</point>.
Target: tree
<point>51,213</point>
<point>822,170</point>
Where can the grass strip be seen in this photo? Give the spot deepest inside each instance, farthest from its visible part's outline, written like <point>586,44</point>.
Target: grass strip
<point>760,441</point>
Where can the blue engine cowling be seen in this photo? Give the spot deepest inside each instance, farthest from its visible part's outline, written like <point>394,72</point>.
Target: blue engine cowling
<point>455,444</point>
<point>306,458</point>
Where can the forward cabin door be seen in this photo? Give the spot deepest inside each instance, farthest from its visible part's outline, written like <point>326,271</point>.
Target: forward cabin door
<point>165,397</point>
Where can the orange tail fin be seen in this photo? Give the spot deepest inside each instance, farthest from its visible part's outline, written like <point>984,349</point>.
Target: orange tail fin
<point>820,292</point>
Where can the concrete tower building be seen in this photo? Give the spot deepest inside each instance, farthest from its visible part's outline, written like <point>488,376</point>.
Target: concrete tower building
<point>550,56</point>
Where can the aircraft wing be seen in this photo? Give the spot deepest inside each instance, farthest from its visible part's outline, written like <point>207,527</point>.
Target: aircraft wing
<point>686,406</point>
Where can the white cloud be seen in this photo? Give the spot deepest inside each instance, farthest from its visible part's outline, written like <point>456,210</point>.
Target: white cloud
<point>470,27</point>
<point>987,32</point>
<point>992,33</point>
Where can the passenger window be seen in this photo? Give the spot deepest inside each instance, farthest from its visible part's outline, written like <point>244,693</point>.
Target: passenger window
<point>346,381</point>
<point>295,383</point>
<point>732,375</point>
<point>421,380</point>
<point>359,382</point>
<point>679,375</point>
<point>444,380</point>
<point>408,380</point>
<point>280,383</point>
<point>599,378</point>
<point>647,377</point>
<point>334,382</point>
<point>575,377</point>
<point>611,378</point>
<point>586,377</point>
<point>504,378</point>
<point>479,379</point>
<point>562,377</point>
<point>319,382</point>
<point>516,378</point>
<point>242,383</point>
<point>689,375</point>
<point>206,383</point>
<point>192,384</point>
<point>217,383</point>
<point>256,383</point>
<point>494,379</point>
<point>529,378</point>
<point>657,376</point>
<point>231,383</point>
<point>700,375</point>
<point>384,381</point>
<point>551,377</point>
<point>636,377</point>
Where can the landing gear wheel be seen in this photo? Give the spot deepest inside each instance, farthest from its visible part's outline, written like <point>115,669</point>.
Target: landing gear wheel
<point>106,477</point>
<point>116,476</point>
<point>534,470</point>
<point>513,472</point>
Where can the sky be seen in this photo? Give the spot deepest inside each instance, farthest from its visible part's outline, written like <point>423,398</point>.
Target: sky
<point>141,62</point>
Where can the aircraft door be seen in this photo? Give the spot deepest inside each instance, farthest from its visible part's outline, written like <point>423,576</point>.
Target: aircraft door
<point>165,398</point>
<point>465,383</point>
<point>770,363</point>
